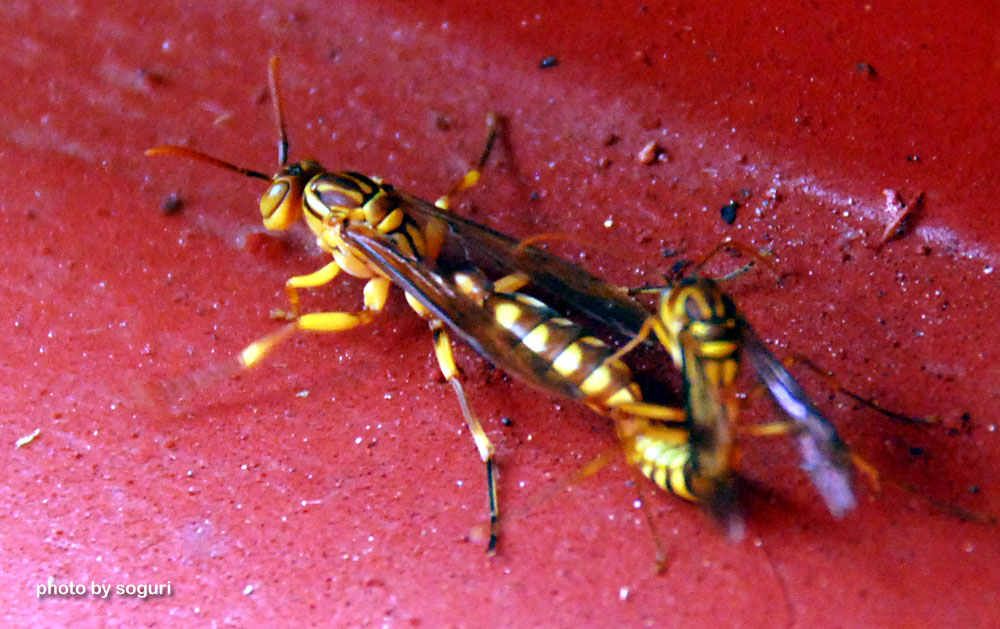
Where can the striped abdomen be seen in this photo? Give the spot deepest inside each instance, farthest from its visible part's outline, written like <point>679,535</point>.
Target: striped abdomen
<point>572,357</point>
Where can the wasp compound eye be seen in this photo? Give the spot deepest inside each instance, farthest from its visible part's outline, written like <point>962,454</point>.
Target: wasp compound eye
<point>273,198</point>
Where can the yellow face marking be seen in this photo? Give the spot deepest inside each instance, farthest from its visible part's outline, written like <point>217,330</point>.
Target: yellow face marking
<point>537,339</point>
<point>568,361</point>
<point>507,314</point>
<point>561,321</point>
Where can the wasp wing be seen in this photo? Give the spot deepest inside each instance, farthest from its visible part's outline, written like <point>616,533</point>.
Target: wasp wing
<point>824,456</point>
<point>557,281</point>
<point>468,321</point>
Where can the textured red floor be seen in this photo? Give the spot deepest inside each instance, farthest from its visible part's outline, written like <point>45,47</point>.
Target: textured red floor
<point>353,505</point>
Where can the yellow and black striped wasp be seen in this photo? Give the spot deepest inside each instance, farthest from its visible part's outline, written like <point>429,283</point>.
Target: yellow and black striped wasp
<point>706,336</point>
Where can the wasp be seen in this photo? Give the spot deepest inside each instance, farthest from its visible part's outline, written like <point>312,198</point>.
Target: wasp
<point>706,336</point>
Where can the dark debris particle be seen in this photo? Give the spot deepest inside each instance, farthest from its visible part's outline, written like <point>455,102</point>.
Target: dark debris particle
<point>548,62</point>
<point>678,268</point>
<point>443,122</point>
<point>172,204</point>
<point>866,68</point>
<point>150,78</point>
<point>506,421</point>
<point>728,212</point>
<point>915,451</point>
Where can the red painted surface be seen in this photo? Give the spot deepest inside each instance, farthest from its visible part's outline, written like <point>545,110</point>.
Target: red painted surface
<point>354,505</point>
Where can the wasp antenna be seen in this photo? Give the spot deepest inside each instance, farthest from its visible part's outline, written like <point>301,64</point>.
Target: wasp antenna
<point>754,255</point>
<point>198,156</point>
<point>279,118</point>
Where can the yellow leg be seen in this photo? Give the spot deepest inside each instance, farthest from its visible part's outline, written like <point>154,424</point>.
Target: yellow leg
<point>446,360</point>
<point>768,429</point>
<point>651,325</point>
<point>317,278</point>
<point>662,564</point>
<point>376,291</point>
<point>657,412</point>
<point>471,178</point>
<point>777,429</point>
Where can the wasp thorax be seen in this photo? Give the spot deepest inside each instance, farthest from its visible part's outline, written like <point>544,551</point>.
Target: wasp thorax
<point>339,193</point>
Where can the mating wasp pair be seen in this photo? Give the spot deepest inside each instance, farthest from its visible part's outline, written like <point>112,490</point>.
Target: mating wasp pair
<point>443,262</point>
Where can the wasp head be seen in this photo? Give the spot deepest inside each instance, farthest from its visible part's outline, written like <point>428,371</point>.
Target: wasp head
<point>281,203</point>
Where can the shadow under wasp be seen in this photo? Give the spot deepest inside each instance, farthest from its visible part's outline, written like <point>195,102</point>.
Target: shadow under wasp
<point>383,235</point>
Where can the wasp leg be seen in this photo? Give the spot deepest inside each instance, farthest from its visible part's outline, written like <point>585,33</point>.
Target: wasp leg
<point>446,361</point>
<point>778,429</point>
<point>471,178</point>
<point>649,326</point>
<point>375,293</point>
<point>319,277</point>
<point>656,412</point>
<point>662,564</point>
<point>834,384</point>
